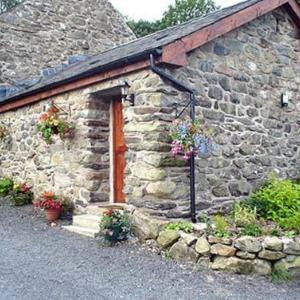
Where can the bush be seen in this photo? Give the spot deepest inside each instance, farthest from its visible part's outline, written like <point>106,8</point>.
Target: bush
<point>244,215</point>
<point>115,226</point>
<point>252,230</point>
<point>281,276</point>
<point>292,222</point>
<point>221,227</point>
<point>21,195</point>
<point>278,201</point>
<point>181,225</point>
<point>6,185</point>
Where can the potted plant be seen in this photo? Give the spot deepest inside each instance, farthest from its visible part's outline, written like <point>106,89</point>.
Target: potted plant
<point>50,124</point>
<point>51,204</point>
<point>21,194</point>
<point>115,226</point>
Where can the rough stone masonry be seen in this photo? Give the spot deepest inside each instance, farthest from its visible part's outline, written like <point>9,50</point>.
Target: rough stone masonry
<point>38,35</point>
<point>239,78</point>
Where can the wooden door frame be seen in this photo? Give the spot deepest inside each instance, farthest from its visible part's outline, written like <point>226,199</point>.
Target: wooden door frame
<point>117,196</point>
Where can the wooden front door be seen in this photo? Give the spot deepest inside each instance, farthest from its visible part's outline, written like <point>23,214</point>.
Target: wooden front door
<point>119,149</point>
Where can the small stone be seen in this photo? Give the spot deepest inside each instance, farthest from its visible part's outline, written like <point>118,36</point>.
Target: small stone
<point>161,188</point>
<point>232,264</point>
<point>248,244</point>
<point>273,243</point>
<point>291,247</point>
<point>262,267</point>
<point>225,83</point>
<point>222,250</point>
<point>167,238</point>
<point>189,239</point>
<point>220,50</point>
<point>290,264</point>
<point>215,93</point>
<point>180,251</point>
<point>220,191</point>
<point>200,226</point>
<point>202,246</point>
<point>271,255</point>
<point>206,66</point>
<point>203,263</point>
<point>245,255</point>
<point>146,227</point>
<point>217,240</point>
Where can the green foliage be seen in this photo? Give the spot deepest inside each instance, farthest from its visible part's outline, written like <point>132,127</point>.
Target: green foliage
<point>291,234</point>
<point>143,27</point>
<point>182,11</point>
<point>168,254</point>
<point>252,230</point>
<point>115,226</point>
<point>273,230</point>
<point>180,225</point>
<point>8,4</point>
<point>279,201</point>
<point>244,215</point>
<point>21,199</point>
<point>292,222</point>
<point>222,226</point>
<point>6,185</point>
<point>281,276</point>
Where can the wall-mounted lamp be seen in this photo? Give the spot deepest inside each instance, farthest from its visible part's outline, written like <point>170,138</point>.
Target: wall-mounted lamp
<point>125,94</point>
<point>285,99</point>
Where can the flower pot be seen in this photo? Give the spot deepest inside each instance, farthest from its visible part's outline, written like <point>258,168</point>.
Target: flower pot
<point>52,214</point>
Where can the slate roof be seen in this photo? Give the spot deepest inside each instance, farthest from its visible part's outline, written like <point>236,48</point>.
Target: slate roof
<point>118,56</point>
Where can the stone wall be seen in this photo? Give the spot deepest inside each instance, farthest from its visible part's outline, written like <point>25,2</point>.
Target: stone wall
<point>243,255</point>
<point>239,79</point>
<point>37,35</point>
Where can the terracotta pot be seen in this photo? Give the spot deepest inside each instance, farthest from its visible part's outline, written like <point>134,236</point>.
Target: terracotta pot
<point>52,214</point>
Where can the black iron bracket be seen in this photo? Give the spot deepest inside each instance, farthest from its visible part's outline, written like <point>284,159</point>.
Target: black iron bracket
<point>182,87</point>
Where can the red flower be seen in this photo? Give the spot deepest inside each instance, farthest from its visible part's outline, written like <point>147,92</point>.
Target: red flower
<point>53,110</point>
<point>24,188</point>
<point>109,212</point>
<point>44,117</point>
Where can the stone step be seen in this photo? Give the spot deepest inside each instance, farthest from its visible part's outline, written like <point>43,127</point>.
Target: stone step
<point>99,208</point>
<point>87,221</point>
<point>90,232</point>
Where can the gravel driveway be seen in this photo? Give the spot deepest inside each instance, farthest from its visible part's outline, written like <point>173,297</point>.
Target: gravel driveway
<point>40,262</point>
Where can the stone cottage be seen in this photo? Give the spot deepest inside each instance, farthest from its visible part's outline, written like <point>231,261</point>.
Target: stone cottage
<point>242,62</point>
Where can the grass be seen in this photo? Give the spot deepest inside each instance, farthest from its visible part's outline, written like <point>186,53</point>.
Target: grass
<point>281,276</point>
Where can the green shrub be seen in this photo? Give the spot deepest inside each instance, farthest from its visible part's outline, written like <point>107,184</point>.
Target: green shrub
<point>291,223</point>
<point>244,215</point>
<point>257,204</point>
<point>115,226</point>
<point>6,185</point>
<point>281,276</point>
<point>180,225</point>
<point>21,194</point>
<point>221,227</point>
<point>280,199</point>
<point>252,230</point>
<point>21,199</point>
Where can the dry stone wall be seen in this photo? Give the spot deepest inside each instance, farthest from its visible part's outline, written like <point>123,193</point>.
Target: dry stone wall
<point>38,35</point>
